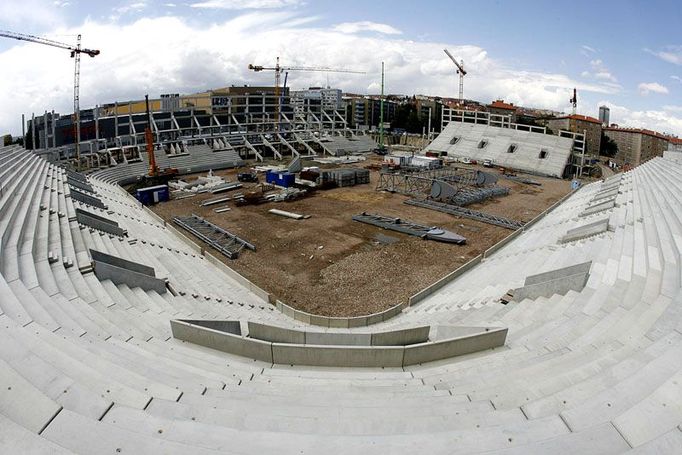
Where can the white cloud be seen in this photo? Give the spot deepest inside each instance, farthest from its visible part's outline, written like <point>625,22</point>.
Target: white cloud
<point>366,26</point>
<point>29,14</point>
<point>588,48</point>
<point>670,54</point>
<point>652,87</point>
<point>130,7</point>
<point>246,4</point>
<point>599,71</point>
<point>185,57</point>
<point>657,120</point>
<point>676,78</point>
<point>61,3</point>
<point>672,108</point>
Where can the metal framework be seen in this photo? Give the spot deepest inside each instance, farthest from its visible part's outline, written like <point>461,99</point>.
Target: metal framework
<point>419,183</point>
<point>467,213</point>
<point>220,239</point>
<point>410,228</point>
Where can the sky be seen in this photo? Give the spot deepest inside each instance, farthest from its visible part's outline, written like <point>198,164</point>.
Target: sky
<point>623,54</point>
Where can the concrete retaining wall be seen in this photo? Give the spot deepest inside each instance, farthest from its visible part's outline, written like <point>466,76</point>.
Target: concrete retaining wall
<point>119,275</point>
<point>343,323</point>
<point>289,336</point>
<point>421,295</point>
<point>335,355</point>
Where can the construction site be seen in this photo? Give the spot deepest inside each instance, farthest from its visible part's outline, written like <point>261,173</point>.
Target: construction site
<point>321,263</point>
<point>241,270</point>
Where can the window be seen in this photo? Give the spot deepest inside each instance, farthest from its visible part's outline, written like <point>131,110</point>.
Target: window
<point>454,140</point>
<point>543,154</point>
<point>482,144</point>
<point>512,148</point>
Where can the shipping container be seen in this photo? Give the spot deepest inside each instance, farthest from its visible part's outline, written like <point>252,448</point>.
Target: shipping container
<point>152,194</point>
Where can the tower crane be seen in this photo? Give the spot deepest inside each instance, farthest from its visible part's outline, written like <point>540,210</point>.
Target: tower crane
<point>574,100</point>
<point>281,69</point>
<point>460,71</point>
<point>76,52</point>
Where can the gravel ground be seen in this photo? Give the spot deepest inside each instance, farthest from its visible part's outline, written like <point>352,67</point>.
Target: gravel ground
<point>333,266</point>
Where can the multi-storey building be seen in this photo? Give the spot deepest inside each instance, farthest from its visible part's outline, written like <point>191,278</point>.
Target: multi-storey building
<point>636,146</point>
<point>583,124</point>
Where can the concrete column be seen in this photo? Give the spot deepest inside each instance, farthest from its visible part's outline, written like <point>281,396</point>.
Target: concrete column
<point>23,128</point>
<point>46,144</point>
<point>33,132</point>
<point>97,125</point>
<point>54,130</point>
<point>116,119</point>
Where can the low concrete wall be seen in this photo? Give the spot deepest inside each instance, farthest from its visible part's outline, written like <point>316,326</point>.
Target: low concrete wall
<point>548,288</point>
<point>444,349</point>
<point>118,275</point>
<point>343,323</point>
<point>335,355</point>
<point>122,263</point>
<point>186,240</point>
<point>237,277</point>
<point>400,337</point>
<point>421,295</point>
<point>585,231</point>
<point>222,341</point>
<point>156,217</point>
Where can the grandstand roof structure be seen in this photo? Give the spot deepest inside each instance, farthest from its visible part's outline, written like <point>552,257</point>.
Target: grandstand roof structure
<point>592,361</point>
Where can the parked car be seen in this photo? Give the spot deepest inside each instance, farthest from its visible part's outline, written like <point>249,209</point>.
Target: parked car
<point>465,160</point>
<point>247,177</point>
<point>487,163</point>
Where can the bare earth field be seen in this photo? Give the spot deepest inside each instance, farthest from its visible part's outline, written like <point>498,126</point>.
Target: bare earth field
<point>333,266</point>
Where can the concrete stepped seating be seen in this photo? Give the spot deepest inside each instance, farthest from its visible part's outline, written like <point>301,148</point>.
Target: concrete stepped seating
<point>93,368</point>
<point>525,157</point>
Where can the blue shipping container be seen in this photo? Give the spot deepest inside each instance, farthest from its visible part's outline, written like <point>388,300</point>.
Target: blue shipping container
<point>285,179</point>
<point>152,194</point>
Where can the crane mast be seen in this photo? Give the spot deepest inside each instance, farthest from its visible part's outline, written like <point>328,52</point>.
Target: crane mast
<point>460,71</point>
<point>76,52</point>
<point>278,77</point>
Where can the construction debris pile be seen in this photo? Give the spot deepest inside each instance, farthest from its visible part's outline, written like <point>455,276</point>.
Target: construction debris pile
<point>203,184</point>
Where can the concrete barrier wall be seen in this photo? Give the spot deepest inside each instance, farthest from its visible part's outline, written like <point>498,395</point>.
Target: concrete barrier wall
<point>343,323</point>
<point>237,277</point>
<point>118,275</point>
<point>122,263</point>
<point>444,349</point>
<point>186,240</point>
<point>421,295</point>
<point>226,342</point>
<point>335,355</point>
<point>276,334</point>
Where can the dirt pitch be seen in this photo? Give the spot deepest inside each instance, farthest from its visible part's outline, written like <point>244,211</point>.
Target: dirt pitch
<point>333,266</point>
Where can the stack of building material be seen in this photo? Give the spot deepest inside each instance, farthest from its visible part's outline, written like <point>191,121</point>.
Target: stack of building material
<point>345,177</point>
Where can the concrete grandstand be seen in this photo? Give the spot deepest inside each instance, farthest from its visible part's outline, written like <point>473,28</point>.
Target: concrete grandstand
<point>592,360</point>
<point>482,136</point>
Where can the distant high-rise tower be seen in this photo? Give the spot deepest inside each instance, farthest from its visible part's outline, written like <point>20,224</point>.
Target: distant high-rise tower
<point>604,115</point>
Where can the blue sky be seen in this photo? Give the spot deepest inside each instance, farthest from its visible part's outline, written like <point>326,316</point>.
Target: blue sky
<point>625,54</point>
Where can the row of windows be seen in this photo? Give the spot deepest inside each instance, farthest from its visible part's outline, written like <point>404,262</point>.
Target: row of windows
<point>511,149</point>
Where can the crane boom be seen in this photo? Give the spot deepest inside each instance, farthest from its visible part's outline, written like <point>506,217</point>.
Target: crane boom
<point>48,42</point>
<point>76,52</point>
<point>459,65</point>
<point>278,69</point>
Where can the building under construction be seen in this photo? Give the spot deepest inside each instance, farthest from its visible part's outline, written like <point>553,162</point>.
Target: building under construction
<point>253,122</point>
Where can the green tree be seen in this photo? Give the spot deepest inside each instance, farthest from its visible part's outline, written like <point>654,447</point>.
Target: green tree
<point>608,146</point>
